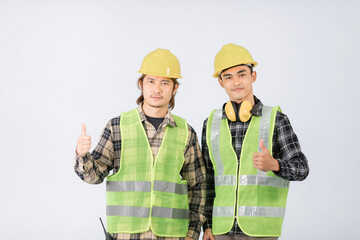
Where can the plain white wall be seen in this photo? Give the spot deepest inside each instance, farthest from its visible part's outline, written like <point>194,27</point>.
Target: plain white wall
<point>67,62</point>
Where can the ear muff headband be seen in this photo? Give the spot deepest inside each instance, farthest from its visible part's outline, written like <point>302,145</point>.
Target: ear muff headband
<point>233,113</point>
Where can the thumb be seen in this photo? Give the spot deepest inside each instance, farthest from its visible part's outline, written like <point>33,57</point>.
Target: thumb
<point>83,129</point>
<point>262,146</point>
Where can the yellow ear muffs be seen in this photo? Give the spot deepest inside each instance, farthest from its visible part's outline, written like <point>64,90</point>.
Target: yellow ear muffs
<point>243,114</point>
<point>230,111</point>
<point>245,111</point>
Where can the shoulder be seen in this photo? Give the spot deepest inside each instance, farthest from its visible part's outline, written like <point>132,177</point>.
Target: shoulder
<point>205,122</point>
<point>115,121</point>
<point>191,129</point>
<point>192,137</point>
<point>211,114</point>
<point>282,121</point>
<point>280,116</point>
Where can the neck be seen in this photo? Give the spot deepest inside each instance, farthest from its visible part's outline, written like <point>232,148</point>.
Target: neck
<point>155,112</point>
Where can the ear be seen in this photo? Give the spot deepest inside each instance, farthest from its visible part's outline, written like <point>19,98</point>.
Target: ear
<point>220,82</point>
<point>175,89</point>
<point>254,75</point>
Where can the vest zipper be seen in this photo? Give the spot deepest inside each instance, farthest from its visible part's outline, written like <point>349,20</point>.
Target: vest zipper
<point>151,193</point>
<point>237,189</point>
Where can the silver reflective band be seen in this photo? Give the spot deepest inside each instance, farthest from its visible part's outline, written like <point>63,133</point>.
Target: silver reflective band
<point>256,211</point>
<point>264,181</point>
<point>127,186</point>
<point>170,187</point>
<point>264,129</point>
<point>215,135</point>
<point>225,180</point>
<point>127,211</point>
<point>265,126</point>
<point>223,211</point>
<point>170,212</point>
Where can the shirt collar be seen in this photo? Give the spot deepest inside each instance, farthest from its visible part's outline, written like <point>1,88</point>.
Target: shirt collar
<point>168,119</point>
<point>256,110</point>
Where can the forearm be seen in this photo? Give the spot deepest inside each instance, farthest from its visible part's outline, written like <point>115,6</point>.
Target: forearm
<point>210,191</point>
<point>286,149</point>
<point>295,169</point>
<point>196,209</point>
<point>90,170</point>
<point>194,172</point>
<point>210,184</point>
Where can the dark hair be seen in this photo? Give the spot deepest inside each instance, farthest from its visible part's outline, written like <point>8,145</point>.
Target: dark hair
<point>248,65</point>
<point>141,98</point>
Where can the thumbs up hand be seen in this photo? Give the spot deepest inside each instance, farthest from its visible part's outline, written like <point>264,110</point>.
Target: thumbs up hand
<point>83,143</point>
<point>264,161</point>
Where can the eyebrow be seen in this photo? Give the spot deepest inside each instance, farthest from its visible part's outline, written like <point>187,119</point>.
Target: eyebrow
<point>241,71</point>
<point>228,74</point>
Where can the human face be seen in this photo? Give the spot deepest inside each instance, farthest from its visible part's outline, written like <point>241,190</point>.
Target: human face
<point>237,82</point>
<point>157,91</point>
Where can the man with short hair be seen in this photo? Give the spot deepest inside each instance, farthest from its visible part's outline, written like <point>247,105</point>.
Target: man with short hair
<point>251,153</point>
<point>157,188</point>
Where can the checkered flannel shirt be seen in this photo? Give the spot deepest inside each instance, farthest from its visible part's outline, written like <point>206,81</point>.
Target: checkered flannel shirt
<point>286,149</point>
<point>95,167</point>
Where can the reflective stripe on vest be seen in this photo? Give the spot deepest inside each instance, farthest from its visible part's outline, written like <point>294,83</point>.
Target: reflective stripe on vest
<point>215,134</point>
<point>261,179</point>
<point>247,183</point>
<point>142,186</point>
<point>146,193</point>
<point>170,212</point>
<point>256,211</point>
<point>224,180</point>
<point>127,186</point>
<point>143,212</point>
<point>128,211</point>
<point>223,211</point>
<point>249,211</point>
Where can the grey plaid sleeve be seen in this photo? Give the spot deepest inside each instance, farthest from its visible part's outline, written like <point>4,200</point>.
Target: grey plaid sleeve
<point>210,185</point>
<point>286,149</point>
<point>194,172</point>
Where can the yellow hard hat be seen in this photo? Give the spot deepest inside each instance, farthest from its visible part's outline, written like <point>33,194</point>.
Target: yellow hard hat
<point>161,62</point>
<point>231,55</point>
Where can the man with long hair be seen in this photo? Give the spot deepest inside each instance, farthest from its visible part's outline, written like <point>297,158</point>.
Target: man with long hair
<point>157,187</point>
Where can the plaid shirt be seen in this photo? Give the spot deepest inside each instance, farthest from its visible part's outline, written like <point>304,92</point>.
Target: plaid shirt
<point>95,167</point>
<point>286,149</point>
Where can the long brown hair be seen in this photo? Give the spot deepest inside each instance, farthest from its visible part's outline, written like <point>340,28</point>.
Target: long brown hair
<point>141,98</point>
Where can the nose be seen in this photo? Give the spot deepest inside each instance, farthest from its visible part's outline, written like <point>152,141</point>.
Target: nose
<point>237,80</point>
<point>157,88</point>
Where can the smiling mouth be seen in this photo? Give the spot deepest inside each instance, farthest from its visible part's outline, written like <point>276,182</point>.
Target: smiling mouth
<point>237,89</point>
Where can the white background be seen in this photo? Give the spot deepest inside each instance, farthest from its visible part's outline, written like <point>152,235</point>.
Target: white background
<point>67,62</point>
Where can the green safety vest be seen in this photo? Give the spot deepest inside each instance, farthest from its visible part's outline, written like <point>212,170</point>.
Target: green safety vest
<point>259,205</point>
<point>147,194</point>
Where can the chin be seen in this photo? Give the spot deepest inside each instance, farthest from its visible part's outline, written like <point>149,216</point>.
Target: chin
<point>156,106</point>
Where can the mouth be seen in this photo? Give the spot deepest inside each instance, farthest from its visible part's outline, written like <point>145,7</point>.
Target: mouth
<point>156,97</point>
<point>238,89</point>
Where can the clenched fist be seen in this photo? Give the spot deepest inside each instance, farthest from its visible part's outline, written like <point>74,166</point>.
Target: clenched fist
<point>83,143</point>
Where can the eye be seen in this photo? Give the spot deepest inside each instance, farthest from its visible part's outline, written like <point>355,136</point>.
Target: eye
<point>165,83</point>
